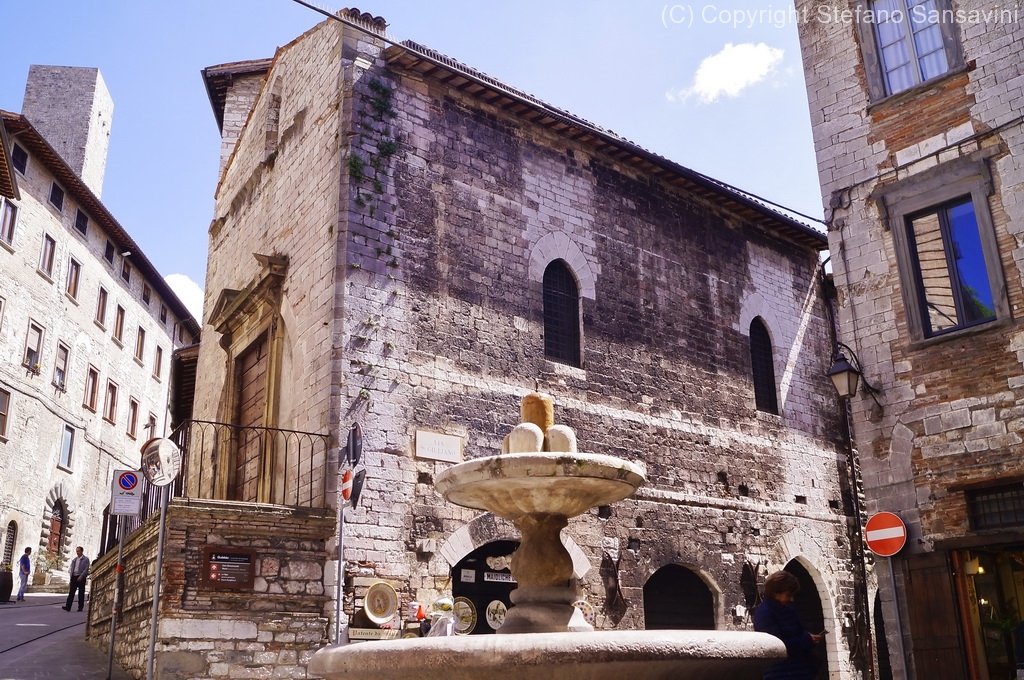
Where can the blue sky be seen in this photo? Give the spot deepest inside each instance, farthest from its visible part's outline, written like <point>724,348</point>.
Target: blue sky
<point>716,87</point>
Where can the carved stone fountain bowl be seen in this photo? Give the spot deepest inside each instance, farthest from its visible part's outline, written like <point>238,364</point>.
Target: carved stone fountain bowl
<point>517,484</point>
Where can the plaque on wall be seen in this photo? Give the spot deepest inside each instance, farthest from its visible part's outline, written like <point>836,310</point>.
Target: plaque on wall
<point>233,568</point>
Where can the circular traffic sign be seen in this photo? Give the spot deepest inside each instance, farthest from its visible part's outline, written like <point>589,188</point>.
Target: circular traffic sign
<point>885,533</point>
<point>346,485</point>
<point>128,480</point>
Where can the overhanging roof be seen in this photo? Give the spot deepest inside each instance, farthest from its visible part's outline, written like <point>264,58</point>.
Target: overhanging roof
<point>219,78</point>
<point>8,183</point>
<point>19,128</point>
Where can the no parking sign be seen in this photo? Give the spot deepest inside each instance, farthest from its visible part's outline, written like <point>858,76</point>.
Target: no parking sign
<point>126,493</point>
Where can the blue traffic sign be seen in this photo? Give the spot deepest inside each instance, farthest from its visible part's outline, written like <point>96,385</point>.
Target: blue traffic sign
<point>128,481</point>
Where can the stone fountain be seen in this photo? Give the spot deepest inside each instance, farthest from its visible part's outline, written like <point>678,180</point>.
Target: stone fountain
<point>538,482</point>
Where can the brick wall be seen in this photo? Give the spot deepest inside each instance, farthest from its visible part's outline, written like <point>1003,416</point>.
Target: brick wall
<point>270,629</point>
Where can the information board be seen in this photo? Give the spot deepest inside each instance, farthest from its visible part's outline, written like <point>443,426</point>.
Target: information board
<point>233,568</point>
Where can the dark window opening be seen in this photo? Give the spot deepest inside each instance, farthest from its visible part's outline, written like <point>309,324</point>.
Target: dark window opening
<point>19,159</point>
<point>763,368</point>
<point>81,222</point>
<point>561,314</point>
<point>996,508</point>
<point>56,196</point>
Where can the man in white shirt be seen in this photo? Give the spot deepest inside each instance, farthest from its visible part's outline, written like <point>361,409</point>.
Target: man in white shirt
<point>79,571</point>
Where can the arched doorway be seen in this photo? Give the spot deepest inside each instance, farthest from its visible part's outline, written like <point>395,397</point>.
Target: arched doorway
<point>483,577</point>
<point>677,598</point>
<point>808,608</point>
<point>55,539</point>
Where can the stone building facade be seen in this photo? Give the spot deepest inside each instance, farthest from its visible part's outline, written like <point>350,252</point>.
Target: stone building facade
<point>427,246</point>
<point>87,325</point>
<point>916,110</point>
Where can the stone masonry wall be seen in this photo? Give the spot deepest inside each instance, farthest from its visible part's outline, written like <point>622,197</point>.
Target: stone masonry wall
<point>206,633</point>
<point>952,407</point>
<point>412,302</point>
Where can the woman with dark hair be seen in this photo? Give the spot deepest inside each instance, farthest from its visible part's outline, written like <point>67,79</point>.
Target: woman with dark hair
<point>777,617</point>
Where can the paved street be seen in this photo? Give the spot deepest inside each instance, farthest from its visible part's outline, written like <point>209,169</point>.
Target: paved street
<point>38,639</point>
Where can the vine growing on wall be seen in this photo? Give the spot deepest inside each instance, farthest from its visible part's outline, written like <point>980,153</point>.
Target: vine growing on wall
<point>375,145</point>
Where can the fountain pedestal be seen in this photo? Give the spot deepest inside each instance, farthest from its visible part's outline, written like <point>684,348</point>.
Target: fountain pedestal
<point>539,491</point>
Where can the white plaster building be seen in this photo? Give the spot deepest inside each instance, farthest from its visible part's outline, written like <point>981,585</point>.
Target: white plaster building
<point>88,327</point>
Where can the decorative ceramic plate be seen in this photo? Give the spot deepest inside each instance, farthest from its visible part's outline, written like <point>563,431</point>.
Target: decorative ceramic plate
<point>495,614</point>
<point>586,609</point>
<point>381,603</point>
<point>465,616</point>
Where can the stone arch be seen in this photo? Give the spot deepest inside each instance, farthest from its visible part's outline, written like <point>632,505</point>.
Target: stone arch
<point>797,545</point>
<point>753,305</point>
<point>58,494</point>
<point>704,575</point>
<point>558,245</point>
<point>486,528</point>
<point>692,572</point>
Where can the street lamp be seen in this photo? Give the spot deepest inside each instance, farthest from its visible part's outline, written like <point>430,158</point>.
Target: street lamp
<point>846,376</point>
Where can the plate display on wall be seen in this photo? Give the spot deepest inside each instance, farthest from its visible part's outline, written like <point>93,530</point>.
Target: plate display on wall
<point>381,603</point>
<point>587,609</point>
<point>495,614</point>
<point>465,616</point>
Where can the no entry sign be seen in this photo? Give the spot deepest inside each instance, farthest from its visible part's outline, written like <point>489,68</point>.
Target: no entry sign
<point>885,534</point>
<point>346,485</point>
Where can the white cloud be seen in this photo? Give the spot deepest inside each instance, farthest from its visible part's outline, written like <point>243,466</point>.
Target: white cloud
<point>189,292</point>
<point>729,72</point>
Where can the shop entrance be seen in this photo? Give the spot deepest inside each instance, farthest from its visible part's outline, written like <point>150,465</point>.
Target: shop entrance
<point>991,584</point>
<point>483,578</point>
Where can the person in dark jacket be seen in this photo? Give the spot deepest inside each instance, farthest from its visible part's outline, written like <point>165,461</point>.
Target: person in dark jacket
<point>776,616</point>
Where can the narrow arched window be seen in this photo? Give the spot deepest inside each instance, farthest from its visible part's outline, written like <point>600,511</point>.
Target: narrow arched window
<point>561,314</point>
<point>763,368</point>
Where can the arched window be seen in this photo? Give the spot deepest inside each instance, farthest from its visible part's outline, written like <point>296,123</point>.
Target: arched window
<point>10,540</point>
<point>561,314</point>
<point>763,367</point>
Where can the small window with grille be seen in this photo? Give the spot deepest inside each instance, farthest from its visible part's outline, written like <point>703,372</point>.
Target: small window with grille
<point>996,508</point>
<point>561,314</point>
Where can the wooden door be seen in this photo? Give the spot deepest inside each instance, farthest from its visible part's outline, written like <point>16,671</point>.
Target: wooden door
<point>934,622</point>
<point>252,403</point>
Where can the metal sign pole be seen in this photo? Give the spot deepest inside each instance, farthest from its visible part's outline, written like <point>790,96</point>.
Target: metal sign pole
<point>165,492</point>
<point>117,596</point>
<point>899,621</point>
<point>340,590</point>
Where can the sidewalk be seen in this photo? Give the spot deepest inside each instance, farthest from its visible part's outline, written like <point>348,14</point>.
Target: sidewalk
<point>62,655</point>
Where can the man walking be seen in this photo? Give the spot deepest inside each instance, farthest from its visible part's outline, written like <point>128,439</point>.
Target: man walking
<point>24,567</point>
<point>79,571</point>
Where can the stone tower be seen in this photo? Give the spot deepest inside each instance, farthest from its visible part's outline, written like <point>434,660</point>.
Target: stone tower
<point>71,108</point>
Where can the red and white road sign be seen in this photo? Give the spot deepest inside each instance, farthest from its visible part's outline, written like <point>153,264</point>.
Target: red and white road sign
<point>346,484</point>
<point>886,534</point>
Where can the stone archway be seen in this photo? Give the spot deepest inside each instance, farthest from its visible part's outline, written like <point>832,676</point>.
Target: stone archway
<point>799,549</point>
<point>57,498</point>
<point>487,528</point>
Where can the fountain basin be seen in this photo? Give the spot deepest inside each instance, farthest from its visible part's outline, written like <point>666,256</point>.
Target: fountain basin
<point>517,484</point>
<point>601,655</point>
